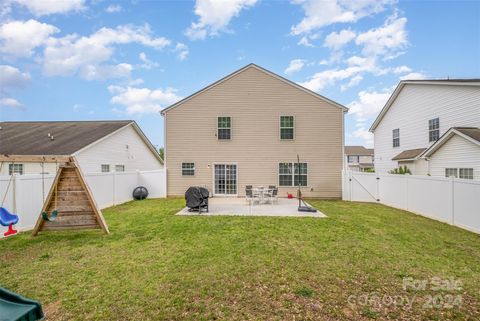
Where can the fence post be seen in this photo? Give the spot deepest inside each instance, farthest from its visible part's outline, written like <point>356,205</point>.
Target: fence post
<point>452,180</point>
<point>378,188</point>
<point>113,187</point>
<point>350,185</point>
<point>406,192</point>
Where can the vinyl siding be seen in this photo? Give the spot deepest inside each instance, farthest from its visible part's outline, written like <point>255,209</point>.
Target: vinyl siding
<point>255,101</point>
<point>113,151</point>
<point>31,168</point>
<point>457,152</point>
<point>455,105</point>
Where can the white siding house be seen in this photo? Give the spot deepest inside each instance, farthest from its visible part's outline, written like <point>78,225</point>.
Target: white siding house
<point>124,147</point>
<point>98,146</point>
<point>417,114</point>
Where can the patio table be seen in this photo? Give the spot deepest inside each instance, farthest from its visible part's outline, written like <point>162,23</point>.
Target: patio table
<point>261,191</point>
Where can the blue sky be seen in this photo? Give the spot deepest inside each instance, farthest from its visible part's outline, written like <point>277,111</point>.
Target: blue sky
<point>89,60</point>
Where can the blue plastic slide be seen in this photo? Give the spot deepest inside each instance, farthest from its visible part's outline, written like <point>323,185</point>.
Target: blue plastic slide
<point>14,307</point>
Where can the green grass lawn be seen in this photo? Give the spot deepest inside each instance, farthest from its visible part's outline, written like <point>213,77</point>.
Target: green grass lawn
<point>158,266</point>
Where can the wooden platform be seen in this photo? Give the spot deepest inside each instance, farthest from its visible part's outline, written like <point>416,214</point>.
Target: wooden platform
<point>72,199</point>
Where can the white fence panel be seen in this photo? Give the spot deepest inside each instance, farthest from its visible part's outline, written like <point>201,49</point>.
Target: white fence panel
<point>450,200</point>
<point>364,187</point>
<point>430,197</point>
<point>396,194</point>
<point>107,188</point>
<point>467,205</point>
<point>102,186</point>
<point>155,182</point>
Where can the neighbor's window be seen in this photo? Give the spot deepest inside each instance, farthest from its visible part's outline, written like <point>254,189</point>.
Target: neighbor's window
<point>433,129</point>
<point>224,127</point>
<point>119,168</point>
<point>353,159</point>
<point>105,168</point>
<point>286,127</point>
<point>396,137</point>
<point>466,173</point>
<point>15,169</point>
<point>188,169</point>
<point>451,172</point>
<point>292,174</point>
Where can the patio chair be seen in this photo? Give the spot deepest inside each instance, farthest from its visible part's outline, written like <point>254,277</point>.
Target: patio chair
<point>249,196</point>
<point>272,193</point>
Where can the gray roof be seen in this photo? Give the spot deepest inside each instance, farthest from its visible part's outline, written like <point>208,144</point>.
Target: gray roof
<point>31,138</point>
<point>471,132</point>
<point>409,154</point>
<point>358,150</point>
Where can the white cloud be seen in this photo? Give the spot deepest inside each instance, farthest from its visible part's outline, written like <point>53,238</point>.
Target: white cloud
<point>20,38</point>
<point>369,103</point>
<point>363,133</point>
<point>414,76</point>
<point>147,63</point>
<point>401,69</point>
<point>295,66</point>
<point>320,13</point>
<point>354,81</point>
<point>388,40</point>
<point>182,51</point>
<point>10,103</point>
<point>114,8</point>
<point>214,16</point>
<point>142,100</point>
<point>47,7</point>
<point>336,41</point>
<point>11,77</point>
<point>87,55</point>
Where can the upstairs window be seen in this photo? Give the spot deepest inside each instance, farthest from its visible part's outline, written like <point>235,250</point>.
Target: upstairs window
<point>188,169</point>
<point>15,169</point>
<point>286,127</point>
<point>433,129</point>
<point>396,137</point>
<point>105,168</point>
<point>224,128</point>
<point>119,168</point>
<point>465,173</point>
<point>353,159</point>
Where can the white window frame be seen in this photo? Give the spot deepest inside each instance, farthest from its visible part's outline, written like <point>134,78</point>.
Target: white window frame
<point>229,128</point>
<point>468,175</point>
<point>293,174</point>
<point>16,169</point>
<point>357,157</point>
<point>188,169</point>
<point>118,166</point>
<point>451,171</point>
<point>432,128</point>
<point>105,166</point>
<point>396,130</point>
<point>280,126</point>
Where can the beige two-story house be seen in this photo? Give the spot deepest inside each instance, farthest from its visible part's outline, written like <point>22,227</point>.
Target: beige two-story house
<point>247,129</point>
<point>358,158</point>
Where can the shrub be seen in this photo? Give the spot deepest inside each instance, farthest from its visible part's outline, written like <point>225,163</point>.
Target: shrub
<point>402,170</point>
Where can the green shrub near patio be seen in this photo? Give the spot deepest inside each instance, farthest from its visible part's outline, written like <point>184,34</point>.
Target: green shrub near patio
<point>158,266</point>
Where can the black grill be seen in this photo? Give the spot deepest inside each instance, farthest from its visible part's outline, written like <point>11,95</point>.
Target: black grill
<point>197,199</point>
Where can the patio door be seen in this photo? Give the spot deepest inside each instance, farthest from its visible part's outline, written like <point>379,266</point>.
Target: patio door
<point>225,179</point>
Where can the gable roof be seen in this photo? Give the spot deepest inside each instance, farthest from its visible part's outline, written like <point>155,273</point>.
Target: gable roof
<point>409,154</point>
<point>471,134</point>
<point>358,150</point>
<point>401,84</point>
<point>252,65</point>
<point>69,137</point>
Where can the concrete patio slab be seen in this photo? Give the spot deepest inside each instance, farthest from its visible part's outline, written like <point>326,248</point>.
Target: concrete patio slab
<point>240,207</point>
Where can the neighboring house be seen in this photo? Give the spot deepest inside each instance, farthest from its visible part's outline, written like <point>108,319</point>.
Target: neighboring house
<point>358,158</point>
<point>430,126</point>
<point>99,146</point>
<point>247,129</point>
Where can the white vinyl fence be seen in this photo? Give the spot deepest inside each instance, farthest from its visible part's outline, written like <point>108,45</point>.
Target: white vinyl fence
<point>450,200</point>
<point>24,196</point>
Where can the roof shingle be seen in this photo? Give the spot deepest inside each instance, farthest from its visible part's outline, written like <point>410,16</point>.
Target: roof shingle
<point>31,138</point>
